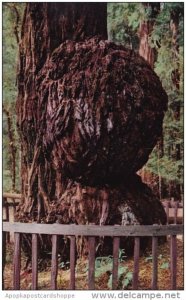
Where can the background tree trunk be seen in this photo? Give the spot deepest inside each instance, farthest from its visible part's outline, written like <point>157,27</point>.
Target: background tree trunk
<point>176,83</point>
<point>146,27</point>
<point>149,54</point>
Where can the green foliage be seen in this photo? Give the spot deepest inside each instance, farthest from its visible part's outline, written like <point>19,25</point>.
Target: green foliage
<point>64,265</point>
<point>123,23</point>
<point>122,255</point>
<point>165,266</point>
<point>10,56</point>
<point>169,168</point>
<point>170,59</point>
<point>124,278</point>
<point>7,182</point>
<point>10,51</point>
<point>105,264</point>
<point>127,280</point>
<point>149,258</point>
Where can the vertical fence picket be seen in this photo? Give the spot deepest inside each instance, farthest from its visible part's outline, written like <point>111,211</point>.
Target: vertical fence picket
<point>34,261</point>
<point>116,243</point>
<point>7,211</point>
<point>173,261</point>
<point>17,261</point>
<point>7,216</point>
<point>72,262</point>
<point>182,224</point>
<point>3,256</point>
<point>5,202</point>
<point>175,230</point>
<point>154,263</point>
<point>136,263</point>
<point>91,262</point>
<point>14,211</point>
<point>54,266</point>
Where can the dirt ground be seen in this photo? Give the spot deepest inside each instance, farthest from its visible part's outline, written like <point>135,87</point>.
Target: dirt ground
<point>103,272</point>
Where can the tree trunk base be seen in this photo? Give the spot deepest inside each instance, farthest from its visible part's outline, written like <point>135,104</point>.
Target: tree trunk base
<point>131,203</point>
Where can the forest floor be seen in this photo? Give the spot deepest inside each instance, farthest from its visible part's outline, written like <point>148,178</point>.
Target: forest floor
<point>103,272</point>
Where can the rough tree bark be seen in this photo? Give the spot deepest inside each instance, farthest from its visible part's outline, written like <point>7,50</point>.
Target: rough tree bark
<point>45,27</point>
<point>59,111</point>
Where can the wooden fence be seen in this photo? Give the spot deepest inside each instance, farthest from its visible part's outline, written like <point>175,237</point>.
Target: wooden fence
<point>174,211</point>
<point>10,202</point>
<point>91,232</point>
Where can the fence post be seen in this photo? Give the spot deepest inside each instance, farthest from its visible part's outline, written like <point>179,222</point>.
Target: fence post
<point>5,204</point>
<point>183,224</point>
<point>173,261</point>
<point>7,216</point>
<point>17,261</point>
<point>116,243</point>
<point>14,210</point>
<point>154,263</point>
<point>136,263</point>
<point>34,261</point>
<point>167,210</point>
<point>54,266</point>
<point>91,262</point>
<point>72,262</point>
<point>175,211</point>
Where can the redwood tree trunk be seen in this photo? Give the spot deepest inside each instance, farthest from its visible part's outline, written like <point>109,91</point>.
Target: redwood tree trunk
<point>48,196</point>
<point>45,27</point>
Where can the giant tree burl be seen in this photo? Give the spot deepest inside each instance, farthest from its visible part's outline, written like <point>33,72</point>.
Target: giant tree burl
<point>88,110</point>
<point>104,108</point>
